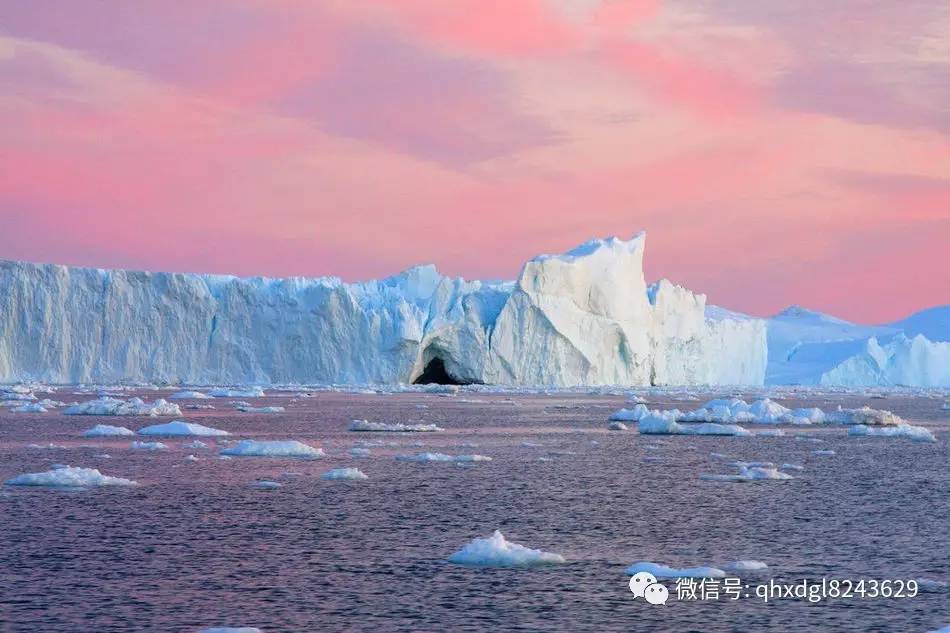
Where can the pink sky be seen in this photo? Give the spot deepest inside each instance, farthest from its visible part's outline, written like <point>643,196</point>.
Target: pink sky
<point>776,153</point>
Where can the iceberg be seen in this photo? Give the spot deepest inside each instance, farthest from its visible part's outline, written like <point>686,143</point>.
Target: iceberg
<point>915,433</point>
<point>656,424</point>
<point>864,416</point>
<point>398,427</point>
<point>629,415</point>
<point>354,474</point>
<point>180,428</point>
<point>114,406</point>
<point>751,472</point>
<point>273,448</point>
<point>246,409</point>
<point>69,477</point>
<point>496,551</point>
<point>586,317</point>
<point>662,571</point>
<point>745,565</point>
<point>106,430</point>
<point>224,392</point>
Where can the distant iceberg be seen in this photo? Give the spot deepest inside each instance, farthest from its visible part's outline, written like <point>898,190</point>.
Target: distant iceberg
<point>496,551</point>
<point>273,448</point>
<point>69,476</point>
<point>915,433</point>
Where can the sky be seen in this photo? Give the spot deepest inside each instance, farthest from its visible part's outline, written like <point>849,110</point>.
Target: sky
<point>775,152</point>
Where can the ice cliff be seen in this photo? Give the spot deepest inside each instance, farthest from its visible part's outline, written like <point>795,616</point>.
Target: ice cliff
<point>583,318</point>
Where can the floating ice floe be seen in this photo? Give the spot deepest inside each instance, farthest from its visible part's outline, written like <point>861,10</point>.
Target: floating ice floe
<point>662,571</point>
<point>250,392</point>
<point>191,458</point>
<point>17,396</point>
<point>196,444</point>
<point>30,407</point>
<point>106,430</point>
<point>442,457</point>
<point>148,446</point>
<point>248,409</point>
<point>745,565</point>
<point>753,471</point>
<point>353,474</point>
<point>69,476</point>
<point>189,395</point>
<point>865,415</point>
<point>655,424</point>
<point>929,584</point>
<point>496,551</point>
<point>792,467</point>
<point>770,433</point>
<point>616,426</point>
<point>360,452</point>
<point>180,428</point>
<point>264,484</point>
<point>398,427</point>
<point>629,415</point>
<point>915,433</point>
<point>764,411</point>
<point>199,407</point>
<point>115,406</point>
<point>273,448</point>
<point>823,452</point>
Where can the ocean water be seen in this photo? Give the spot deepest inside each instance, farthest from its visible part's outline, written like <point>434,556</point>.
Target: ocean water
<point>195,545</point>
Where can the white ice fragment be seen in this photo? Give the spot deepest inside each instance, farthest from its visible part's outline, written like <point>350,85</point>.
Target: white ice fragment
<point>114,406</point>
<point>616,426</point>
<point>354,474</point>
<point>915,433</point>
<point>189,395</point>
<point>69,476</point>
<point>398,427</point>
<point>745,565</point>
<point>442,457</point>
<point>496,551</point>
<point>273,448</point>
<point>250,392</point>
<point>248,409</point>
<point>662,571</point>
<point>180,428</point>
<point>106,430</point>
<point>148,446</point>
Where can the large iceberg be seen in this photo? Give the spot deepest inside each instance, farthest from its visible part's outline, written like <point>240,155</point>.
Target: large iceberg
<point>583,318</point>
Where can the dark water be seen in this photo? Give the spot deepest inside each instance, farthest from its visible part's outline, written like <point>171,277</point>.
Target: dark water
<point>194,545</point>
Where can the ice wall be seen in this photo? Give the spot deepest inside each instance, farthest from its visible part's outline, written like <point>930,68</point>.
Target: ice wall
<point>582,318</point>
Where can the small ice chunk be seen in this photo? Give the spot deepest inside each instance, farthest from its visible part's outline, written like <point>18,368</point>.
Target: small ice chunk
<point>189,395</point>
<point>792,467</point>
<point>823,452</point>
<point>662,425</point>
<point>354,474</point>
<point>662,571</point>
<point>247,409</point>
<point>191,458</point>
<point>762,472</point>
<point>149,446</point>
<point>630,415</point>
<point>915,433</point>
<point>865,415</point>
<point>180,428</point>
<point>398,427</point>
<point>746,565</point>
<point>442,457</point>
<point>496,551</point>
<point>360,452</point>
<point>616,426</point>
<point>273,448</point>
<point>69,476</point>
<point>30,407</point>
<point>264,484</point>
<point>196,444</point>
<point>250,392</point>
<point>106,430</point>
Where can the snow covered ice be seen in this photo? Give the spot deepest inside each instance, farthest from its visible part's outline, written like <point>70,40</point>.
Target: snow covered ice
<point>106,430</point>
<point>149,446</point>
<point>397,427</point>
<point>180,428</point>
<point>915,433</point>
<point>69,476</point>
<point>586,317</point>
<point>496,551</point>
<point>353,474</point>
<point>273,448</point>
<point>115,406</point>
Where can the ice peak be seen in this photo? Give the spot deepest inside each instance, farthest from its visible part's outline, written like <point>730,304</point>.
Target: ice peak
<point>796,311</point>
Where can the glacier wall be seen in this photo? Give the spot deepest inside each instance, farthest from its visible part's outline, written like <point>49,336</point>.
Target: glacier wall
<point>583,318</point>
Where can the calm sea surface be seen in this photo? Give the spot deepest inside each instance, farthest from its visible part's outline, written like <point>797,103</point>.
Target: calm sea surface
<point>195,545</point>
